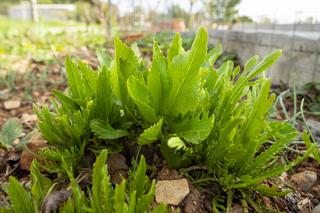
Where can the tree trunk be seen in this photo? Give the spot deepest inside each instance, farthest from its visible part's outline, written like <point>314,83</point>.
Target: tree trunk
<point>34,9</point>
<point>191,15</point>
<point>109,18</point>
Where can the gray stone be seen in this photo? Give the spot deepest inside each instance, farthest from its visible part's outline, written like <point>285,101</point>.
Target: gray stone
<point>313,124</point>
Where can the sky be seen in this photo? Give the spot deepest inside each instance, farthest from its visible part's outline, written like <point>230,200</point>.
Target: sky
<point>283,11</point>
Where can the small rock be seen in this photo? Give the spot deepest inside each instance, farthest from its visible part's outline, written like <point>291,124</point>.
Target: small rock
<point>13,156</point>
<point>316,191</point>
<point>283,176</point>
<point>116,162</point>
<point>35,143</point>
<point>172,191</point>
<point>267,202</point>
<point>193,202</point>
<point>314,126</point>
<point>117,168</point>
<point>12,104</point>
<point>3,159</point>
<point>316,209</point>
<point>13,113</point>
<point>237,209</point>
<point>167,174</point>
<point>55,200</point>
<point>36,94</point>
<point>16,142</point>
<point>27,118</point>
<point>3,199</point>
<point>305,180</point>
<point>280,203</point>
<point>208,205</point>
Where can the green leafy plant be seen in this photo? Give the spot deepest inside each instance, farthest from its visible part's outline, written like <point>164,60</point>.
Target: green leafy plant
<point>198,114</point>
<point>244,144</point>
<point>10,132</point>
<point>86,109</point>
<point>133,195</point>
<point>212,117</point>
<point>167,100</point>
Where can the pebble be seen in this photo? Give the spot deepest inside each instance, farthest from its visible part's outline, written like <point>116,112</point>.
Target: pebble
<point>35,143</point>
<point>28,118</point>
<point>172,191</point>
<point>305,180</point>
<point>316,209</point>
<point>117,168</point>
<point>316,191</point>
<point>12,104</point>
<point>237,209</point>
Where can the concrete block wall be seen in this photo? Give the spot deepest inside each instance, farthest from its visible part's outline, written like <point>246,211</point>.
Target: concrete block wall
<point>299,64</point>
<point>280,27</point>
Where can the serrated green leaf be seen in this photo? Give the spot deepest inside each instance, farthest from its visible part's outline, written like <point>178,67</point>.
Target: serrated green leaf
<point>40,184</point>
<point>141,97</point>
<point>104,108</point>
<point>265,63</point>
<point>158,80</point>
<point>140,179</point>
<point>267,155</point>
<point>104,130</point>
<point>120,205</point>
<point>151,134</point>
<point>65,100</point>
<point>250,63</point>
<point>126,65</point>
<point>271,191</point>
<point>186,77</point>
<point>73,78</point>
<point>103,58</point>
<point>101,187</point>
<point>214,54</point>
<point>132,202</point>
<point>19,197</point>
<point>145,201</point>
<point>175,47</point>
<point>310,145</point>
<point>196,129</point>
